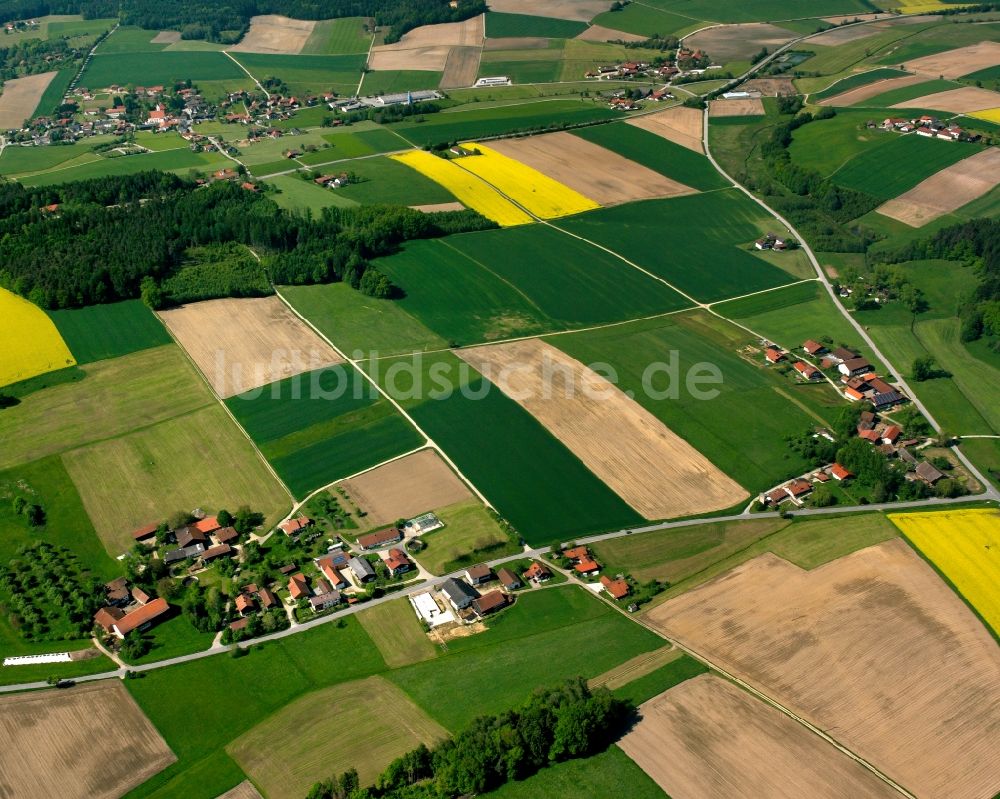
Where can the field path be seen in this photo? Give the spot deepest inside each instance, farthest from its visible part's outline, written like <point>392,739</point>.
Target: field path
<point>249,74</point>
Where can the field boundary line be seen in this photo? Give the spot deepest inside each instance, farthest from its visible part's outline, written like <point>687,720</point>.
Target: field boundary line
<point>485,268</point>
<point>249,74</point>
<point>368,57</point>
<point>763,291</point>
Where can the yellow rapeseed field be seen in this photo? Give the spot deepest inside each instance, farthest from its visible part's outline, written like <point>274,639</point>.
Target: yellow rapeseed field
<point>529,188</point>
<point>990,115</point>
<point>965,546</point>
<point>470,190</point>
<point>29,343</point>
<point>926,6</point>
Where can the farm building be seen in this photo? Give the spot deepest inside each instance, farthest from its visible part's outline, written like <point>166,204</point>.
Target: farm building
<point>146,535</point>
<point>361,569</point>
<point>479,574</point>
<point>379,538</point>
<point>425,523</point>
<point>617,588</point>
<point>852,367</point>
<point>508,579</point>
<point>489,603</point>
<point>189,536</point>
<point>928,473</point>
<point>227,535</point>
<point>220,551</point>
<point>183,553</point>
<point>458,593</point>
<point>114,620</point>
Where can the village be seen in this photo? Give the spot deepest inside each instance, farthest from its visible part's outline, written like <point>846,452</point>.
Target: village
<point>926,126</point>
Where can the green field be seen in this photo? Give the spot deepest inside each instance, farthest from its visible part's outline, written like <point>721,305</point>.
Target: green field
<point>130,39</point>
<point>397,633</point>
<point>399,81</point>
<point>144,476</point>
<point>762,10</point>
<point>54,92</point>
<point>708,260</point>
<point>856,81</point>
<point>322,426</point>
<point>107,331</point>
<point>522,71</point>
<point>152,68</point>
<point>742,429</point>
<point>359,325</point>
<point>503,25</point>
<point>827,144</point>
<point>898,166</point>
<point>470,122</point>
<point>365,142</point>
<point>470,535</point>
<point>929,39</point>
<point>297,194</point>
<point>507,454</point>
<point>345,36</point>
<point>483,286</point>
<point>645,20</point>
<point>383,180</point>
<point>669,159</point>
<point>182,161</point>
<point>17,160</point>
<point>662,679</point>
<point>905,93</point>
<point>306,74</point>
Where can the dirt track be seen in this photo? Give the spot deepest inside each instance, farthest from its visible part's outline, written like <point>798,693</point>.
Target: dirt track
<point>241,344</point>
<point>678,124</point>
<point>957,101</point>
<point>738,42</point>
<point>852,96</point>
<point>706,738</point>
<point>20,99</point>
<point>947,190</point>
<point>872,647</point>
<point>648,465</point>
<point>461,67</point>
<point>273,33</point>
<point>91,741</point>
<point>404,488</point>
<point>958,62</point>
<point>736,108</point>
<point>590,169</point>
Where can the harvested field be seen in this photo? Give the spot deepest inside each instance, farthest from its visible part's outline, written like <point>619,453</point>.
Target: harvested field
<point>946,191</point>
<point>598,33</point>
<point>707,738</point>
<point>166,37</point>
<point>582,10</point>
<point>91,740</point>
<point>434,208</point>
<point>405,488</point>
<point>736,108</point>
<point>273,33</point>
<point>917,656</point>
<point>838,36</point>
<point>738,42</point>
<point>244,790</point>
<point>20,98</point>
<point>517,43</point>
<point>770,87</point>
<point>240,344</point>
<point>428,46</point>
<point>327,724</point>
<point>870,90</point>
<point>648,465</point>
<point>679,124</point>
<point>590,169</point>
<point>957,101</point>
<point>958,62</point>
<point>461,67</point>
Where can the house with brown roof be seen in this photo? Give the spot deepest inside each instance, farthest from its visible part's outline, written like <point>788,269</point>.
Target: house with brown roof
<point>617,588</point>
<point>298,587</point>
<point>220,551</point>
<point>380,538</point>
<point>288,568</point>
<point>227,535</point>
<point>479,574</point>
<point>927,472</point>
<point>508,579</point>
<point>807,371</point>
<point>139,619</point>
<point>774,497</point>
<point>324,601</point>
<point>146,535</point>
<point>853,367</point>
<point>295,526</point>
<point>838,472</point>
<point>537,573</point>
<point>489,603</point>
<point>239,624</point>
<point>189,536</point>
<point>814,347</point>
<point>245,604</point>
<point>117,592</point>
<point>396,562</point>
<point>267,599</point>
<point>140,596</point>
<point>797,489</point>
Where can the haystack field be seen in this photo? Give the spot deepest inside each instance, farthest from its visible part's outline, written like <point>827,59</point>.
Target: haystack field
<point>958,62</point>
<point>738,42</point>
<point>598,33</point>
<point>872,646</point>
<point>461,67</point>
<point>90,740</point>
<point>957,101</point>
<point>590,169</point>
<point>581,10</point>
<point>428,46</point>
<point>20,98</point>
<point>648,465</point>
<point>678,124</point>
<point>273,33</point>
<point>405,488</point>
<point>947,190</point>
<point>862,93</point>
<point>752,106</point>
<point>239,344</point>
<point>707,738</point>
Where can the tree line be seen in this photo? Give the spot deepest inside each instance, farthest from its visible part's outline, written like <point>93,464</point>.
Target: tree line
<point>92,241</point>
<point>555,724</point>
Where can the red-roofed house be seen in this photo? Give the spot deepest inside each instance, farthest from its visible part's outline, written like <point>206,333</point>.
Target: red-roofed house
<point>294,526</point>
<point>298,587</point>
<point>588,567</point>
<point>839,472</point>
<point>396,562</point>
<point>245,605</point>
<point>330,572</point>
<point>207,525</point>
<point>536,573</point>
<point>379,538</point>
<point>853,394</point>
<point>798,489</point>
<point>891,434</point>
<point>807,371</point>
<point>814,347</point>
<point>576,553</point>
<point>617,588</point>
<point>140,618</point>
<point>773,355</point>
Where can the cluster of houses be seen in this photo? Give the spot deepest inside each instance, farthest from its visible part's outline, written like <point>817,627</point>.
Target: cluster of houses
<point>128,608</point>
<point>252,600</point>
<point>928,126</point>
<point>333,181</point>
<point>771,242</point>
<point>586,565</point>
<point>203,541</point>
<point>20,25</point>
<point>685,62</point>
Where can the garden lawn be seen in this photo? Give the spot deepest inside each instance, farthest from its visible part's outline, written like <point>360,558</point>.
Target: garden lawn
<point>701,243</point>
<point>151,68</point>
<point>669,159</point>
<point>470,536</point>
<point>107,331</point>
<point>506,453</point>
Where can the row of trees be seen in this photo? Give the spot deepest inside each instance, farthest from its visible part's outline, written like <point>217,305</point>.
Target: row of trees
<point>556,724</point>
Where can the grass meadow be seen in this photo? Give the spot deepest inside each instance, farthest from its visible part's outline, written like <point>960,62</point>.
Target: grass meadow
<point>345,36</point>
<point>383,180</point>
<point>151,68</point>
<point>306,74</point>
<point>297,194</point>
<point>181,161</point>
<point>400,80</point>
<point>108,331</point>
<point>905,93</point>
<point>645,20</point>
<point>499,25</point>
<point>470,535</point>
<point>856,81</point>
<point>396,631</point>
<point>828,144</point>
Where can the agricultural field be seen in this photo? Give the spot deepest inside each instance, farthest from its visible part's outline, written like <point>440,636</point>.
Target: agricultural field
<point>306,74</point>
<point>46,732</point>
<point>108,331</point>
<point>916,91</point>
<point>151,68</point>
<point>384,180</point>
<point>472,420</point>
<point>679,125</point>
<point>773,625</point>
<point>144,476</point>
<point>344,36</point>
<point>496,284</point>
<point>471,190</point>
<point>708,736</point>
<point>835,93</point>
<point>502,25</point>
<point>181,161</point>
<point>304,196</point>
<point>272,33</point>
<point>652,468</point>
<point>323,425</point>
<point>710,262</point>
<point>396,631</point>
<point>20,98</point>
<point>32,343</point>
<point>960,61</point>
<point>245,343</point>
<point>962,545</point>
<point>286,766</point>
<point>470,536</point>
<point>403,489</point>
<point>739,43</point>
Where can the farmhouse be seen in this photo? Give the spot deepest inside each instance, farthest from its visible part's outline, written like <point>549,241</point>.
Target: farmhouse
<point>928,473</point>
<point>292,527</point>
<point>854,366</point>
<point>189,536</point>
<point>508,579</point>
<point>380,538</point>
<point>216,552</point>
<point>842,354</point>
<point>331,573</point>
<point>227,535</point>
<point>617,588</point>
<point>113,620</point>
<point>489,603</point>
<point>807,371</point>
<point>175,555</point>
<point>117,592</point>
<point>325,600</point>
<point>814,348</point>
<point>396,562</point>
<point>479,574</point>
<point>458,593</point>
<point>362,569</point>
<point>298,587</point>
<point>537,573</point>
<point>887,400</point>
